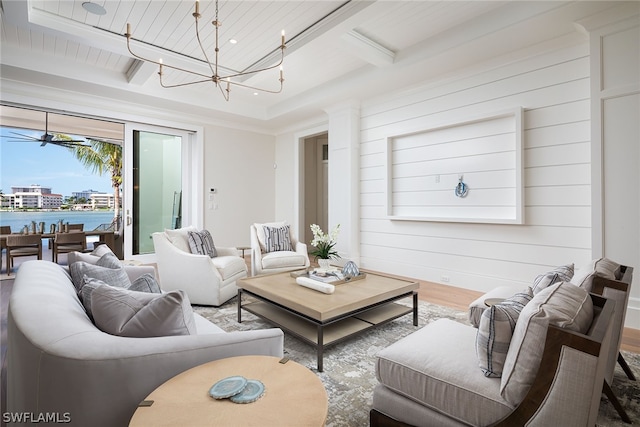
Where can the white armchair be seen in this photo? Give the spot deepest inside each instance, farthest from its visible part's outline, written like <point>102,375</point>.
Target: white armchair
<point>206,280</point>
<point>264,260</point>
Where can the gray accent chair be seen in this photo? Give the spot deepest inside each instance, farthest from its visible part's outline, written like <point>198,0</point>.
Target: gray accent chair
<point>611,284</point>
<point>431,377</point>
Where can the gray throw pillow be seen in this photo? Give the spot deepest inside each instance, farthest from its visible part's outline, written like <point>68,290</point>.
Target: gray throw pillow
<point>563,305</point>
<point>277,239</point>
<point>92,257</point>
<point>108,269</point>
<point>602,267</point>
<point>561,274</point>
<point>145,283</point>
<point>201,242</point>
<point>495,331</point>
<point>128,313</point>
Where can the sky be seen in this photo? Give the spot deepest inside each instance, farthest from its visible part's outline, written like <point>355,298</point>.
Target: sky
<point>26,163</point>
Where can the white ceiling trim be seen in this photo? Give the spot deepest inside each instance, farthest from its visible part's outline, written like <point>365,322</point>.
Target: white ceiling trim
<point>369,50</point>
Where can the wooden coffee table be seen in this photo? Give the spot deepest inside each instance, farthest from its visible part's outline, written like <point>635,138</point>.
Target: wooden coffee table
<point>293,396</point>
<point>324,319</point>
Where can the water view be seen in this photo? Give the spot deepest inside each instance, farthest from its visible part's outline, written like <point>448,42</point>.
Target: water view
<point>90,219</point>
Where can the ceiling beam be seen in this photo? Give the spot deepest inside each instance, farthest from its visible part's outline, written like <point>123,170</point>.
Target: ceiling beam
<point>140,72</point>
<point>340,14</point>
<point>368,50</point>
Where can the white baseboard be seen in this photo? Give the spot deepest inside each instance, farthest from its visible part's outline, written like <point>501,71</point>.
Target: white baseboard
<point>632,319</point>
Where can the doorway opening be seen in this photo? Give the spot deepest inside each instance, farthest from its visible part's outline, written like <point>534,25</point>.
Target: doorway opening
<point>316,183</point>
<point>59,168</point>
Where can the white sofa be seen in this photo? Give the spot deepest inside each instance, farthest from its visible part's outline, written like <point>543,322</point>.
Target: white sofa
<point>206,280</point>
<point>58,362</point>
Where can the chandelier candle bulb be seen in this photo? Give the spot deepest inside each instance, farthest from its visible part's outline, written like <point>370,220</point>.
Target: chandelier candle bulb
<point>282,37</point>
<point>197,7</point>
<point>128,30</point>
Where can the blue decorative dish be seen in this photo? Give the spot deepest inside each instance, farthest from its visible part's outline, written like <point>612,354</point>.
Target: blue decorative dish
<point>252,392</point>
<point>228,387</point>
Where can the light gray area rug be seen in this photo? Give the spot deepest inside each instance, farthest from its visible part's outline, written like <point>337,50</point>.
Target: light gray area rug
<point>349,375</point>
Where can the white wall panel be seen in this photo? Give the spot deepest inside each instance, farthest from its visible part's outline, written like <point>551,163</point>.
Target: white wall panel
<point>564,133</point>
<point>439,111</point>
<point>575,237</point>
<point>554,91</point>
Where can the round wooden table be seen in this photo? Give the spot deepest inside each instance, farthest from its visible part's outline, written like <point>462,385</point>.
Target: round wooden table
<point>294,396</point>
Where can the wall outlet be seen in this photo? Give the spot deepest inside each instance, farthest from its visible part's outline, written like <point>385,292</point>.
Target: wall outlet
<point>437,179</point>
<point>445,278</point>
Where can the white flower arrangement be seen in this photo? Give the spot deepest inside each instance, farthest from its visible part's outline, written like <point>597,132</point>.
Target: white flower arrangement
<point>324,243</point>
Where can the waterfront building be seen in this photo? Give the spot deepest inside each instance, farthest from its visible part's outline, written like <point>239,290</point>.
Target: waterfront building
<point>86,194</point>
<point>7,201</point>
<point>102,200</point>
<point>33,196</point>
<point>33,188</point>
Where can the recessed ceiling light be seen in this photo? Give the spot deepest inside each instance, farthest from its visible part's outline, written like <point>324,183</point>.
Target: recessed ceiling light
<point>94,8</point>
<point>233,41</point>
<point>255,93</point>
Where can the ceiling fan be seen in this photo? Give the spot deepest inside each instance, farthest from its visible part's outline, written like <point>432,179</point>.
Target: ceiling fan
<point>48,138</point>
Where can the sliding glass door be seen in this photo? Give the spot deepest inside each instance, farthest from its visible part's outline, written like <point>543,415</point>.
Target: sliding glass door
<point>157,164</point>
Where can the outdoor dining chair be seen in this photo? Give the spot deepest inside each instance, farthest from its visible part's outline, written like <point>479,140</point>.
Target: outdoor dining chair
<point>74,241</point>
<point>70,227</point>
<point>4,230</point>
<point>22,245</point>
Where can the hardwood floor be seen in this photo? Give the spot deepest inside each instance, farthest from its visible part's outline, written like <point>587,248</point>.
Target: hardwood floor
<point>435,293</point>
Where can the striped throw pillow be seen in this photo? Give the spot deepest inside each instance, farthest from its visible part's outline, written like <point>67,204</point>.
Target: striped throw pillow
<point>563,273</point>
<point>201,242</point>
<point>277,239</point>
<point>495,330</point>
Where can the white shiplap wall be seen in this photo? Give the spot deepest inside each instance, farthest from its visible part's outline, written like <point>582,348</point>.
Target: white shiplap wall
<point>553,90</point>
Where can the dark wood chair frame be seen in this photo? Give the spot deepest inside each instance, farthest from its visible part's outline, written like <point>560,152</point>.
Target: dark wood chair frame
<point>623,283</point>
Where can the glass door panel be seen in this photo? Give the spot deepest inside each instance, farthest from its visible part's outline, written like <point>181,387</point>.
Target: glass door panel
<point>157,187</point>
<point>155,160</point>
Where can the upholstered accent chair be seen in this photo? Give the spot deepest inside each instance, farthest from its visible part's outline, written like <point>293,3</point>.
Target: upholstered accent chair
<point>275,249</point>
<point>206,280</point>
<point>553,373</point>
<point>600,276</point>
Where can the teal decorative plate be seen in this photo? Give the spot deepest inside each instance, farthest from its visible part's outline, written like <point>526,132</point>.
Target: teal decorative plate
<point>252,392</point>
<point>228,387</point>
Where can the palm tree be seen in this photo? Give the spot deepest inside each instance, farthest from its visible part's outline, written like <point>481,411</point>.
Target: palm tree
<point>103,157</point>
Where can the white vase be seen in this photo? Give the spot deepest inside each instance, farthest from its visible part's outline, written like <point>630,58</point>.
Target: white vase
<point>323,263</point>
